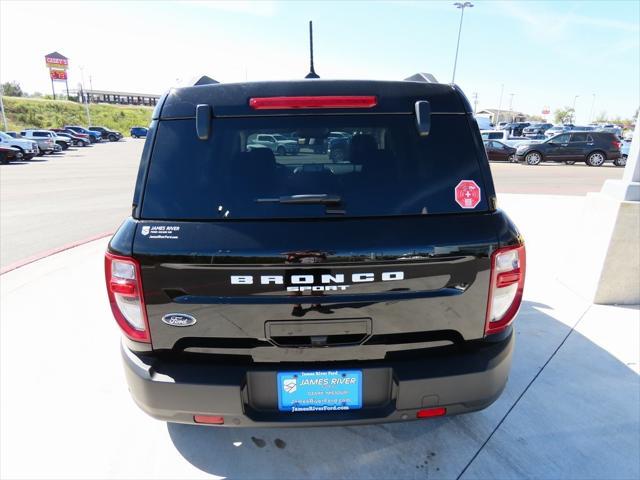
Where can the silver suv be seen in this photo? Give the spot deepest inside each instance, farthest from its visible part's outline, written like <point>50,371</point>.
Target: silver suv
<point>46,140</point>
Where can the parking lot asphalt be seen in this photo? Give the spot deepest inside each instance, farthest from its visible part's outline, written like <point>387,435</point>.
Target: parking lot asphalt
<point>55,200</point>
<point>570,408</point>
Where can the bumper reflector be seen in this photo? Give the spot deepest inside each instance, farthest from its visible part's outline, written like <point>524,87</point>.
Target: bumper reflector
<point>431,412</point>
<point>209,419</point>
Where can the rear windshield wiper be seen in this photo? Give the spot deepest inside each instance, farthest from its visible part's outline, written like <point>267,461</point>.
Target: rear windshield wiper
<point>307,199</point>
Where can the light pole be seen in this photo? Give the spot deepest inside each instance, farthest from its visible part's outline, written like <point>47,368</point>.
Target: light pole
<point>461,6</point>
<point>573,114</point>
<point>4,116</point>
<point>511,105</point>
<point>497,120</point>
<point>84,95</point>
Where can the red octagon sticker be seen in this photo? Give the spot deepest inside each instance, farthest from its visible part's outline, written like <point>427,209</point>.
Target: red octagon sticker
<point>467,194</point>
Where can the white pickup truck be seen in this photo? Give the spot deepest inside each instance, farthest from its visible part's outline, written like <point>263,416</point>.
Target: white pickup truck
<point>504,137</point>
<point>29,148</point>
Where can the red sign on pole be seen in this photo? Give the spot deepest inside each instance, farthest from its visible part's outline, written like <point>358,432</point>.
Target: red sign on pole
<point>58,74</point>
<point>467,194</point>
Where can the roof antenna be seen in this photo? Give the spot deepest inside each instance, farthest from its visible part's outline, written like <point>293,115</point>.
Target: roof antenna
<point>312,73</point>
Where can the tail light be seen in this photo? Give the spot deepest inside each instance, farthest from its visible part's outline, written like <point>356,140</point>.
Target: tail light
<point>431,412</point>
<point>124,287</point>
<point>508,267</point>
<point>616,144</point>
<point>327,101</point>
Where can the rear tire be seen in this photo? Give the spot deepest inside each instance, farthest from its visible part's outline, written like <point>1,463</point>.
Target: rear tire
<point>40,152</point>
<point>533,158</point>
<point>112,138</point>
<point>596,159</point>
<point>621,161</point>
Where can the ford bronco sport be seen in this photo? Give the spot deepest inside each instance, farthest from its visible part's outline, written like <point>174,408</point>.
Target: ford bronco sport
<point>262,290</point>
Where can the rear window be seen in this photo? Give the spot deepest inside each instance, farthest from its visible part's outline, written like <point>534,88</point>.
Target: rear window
<point>376,165</point>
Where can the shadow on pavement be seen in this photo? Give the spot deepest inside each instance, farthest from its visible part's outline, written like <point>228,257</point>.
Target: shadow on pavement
<point>22,162</point>
<point>563,446</point>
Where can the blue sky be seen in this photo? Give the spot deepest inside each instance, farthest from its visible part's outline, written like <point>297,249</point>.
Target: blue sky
<point>544,52</point>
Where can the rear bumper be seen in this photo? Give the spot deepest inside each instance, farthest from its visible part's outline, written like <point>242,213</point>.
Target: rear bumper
<point>245,395</point>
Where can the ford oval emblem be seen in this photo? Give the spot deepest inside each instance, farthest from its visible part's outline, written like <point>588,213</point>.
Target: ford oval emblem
<point>179,320</point>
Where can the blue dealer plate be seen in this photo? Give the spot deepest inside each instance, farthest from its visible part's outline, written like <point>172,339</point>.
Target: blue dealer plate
<point>320,391</point>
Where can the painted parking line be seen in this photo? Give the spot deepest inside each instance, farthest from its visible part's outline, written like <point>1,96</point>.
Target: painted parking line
<point>53,251</point>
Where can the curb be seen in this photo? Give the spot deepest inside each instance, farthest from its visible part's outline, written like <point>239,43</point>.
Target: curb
<point>53,251</point>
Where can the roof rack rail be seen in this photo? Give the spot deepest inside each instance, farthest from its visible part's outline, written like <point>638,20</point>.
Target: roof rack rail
<point>204,80</point>
<point>422,77</point>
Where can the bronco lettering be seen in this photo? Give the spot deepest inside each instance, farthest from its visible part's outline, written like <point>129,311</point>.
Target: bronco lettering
<point>315,279</point>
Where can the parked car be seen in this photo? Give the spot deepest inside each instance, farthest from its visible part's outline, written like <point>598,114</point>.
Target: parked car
<point>106,133</point>
<point>624,153</point>
<point>498,151</point>
<point>44,138</point>
<point>9,154</point>
<point>516,128</point>
<point>64,142</point>
<point>76,139</point>
<point>138,132</point>
<point>93,135</point>
<point>338,148</point>
<point>593,148</point>
<point>617,131</point>
<point>248,288</point>
<point>483,123</point>
<point>277,143</point>
<point>558,129</point>
<point>536,129</point>
<point>28,148</point>
<point>79,139</point>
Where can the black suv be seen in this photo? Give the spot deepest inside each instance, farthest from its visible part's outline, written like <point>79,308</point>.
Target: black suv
<point>516,128</point>
<point>536,129</point>
<point>263,290</point>
<point>593,148</point>
<point>107,134</point>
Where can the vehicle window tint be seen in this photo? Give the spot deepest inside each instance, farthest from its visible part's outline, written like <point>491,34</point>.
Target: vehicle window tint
<point>40,134</point>
<point>579,137</point>
<point>379,166</point>
<point>589,139</point>
<point>564,138</point>
<point>495,135</point>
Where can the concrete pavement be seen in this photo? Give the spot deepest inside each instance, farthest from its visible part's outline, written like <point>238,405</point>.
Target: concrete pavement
<point>570,409</point>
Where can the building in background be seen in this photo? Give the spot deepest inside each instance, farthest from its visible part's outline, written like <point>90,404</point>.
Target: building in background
<point>120,98</point>
<point>496,115</point>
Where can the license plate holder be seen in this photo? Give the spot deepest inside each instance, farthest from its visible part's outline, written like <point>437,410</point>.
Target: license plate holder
<point>319,390</point>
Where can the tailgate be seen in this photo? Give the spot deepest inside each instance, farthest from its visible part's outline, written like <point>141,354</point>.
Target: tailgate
<point>275,290</point>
